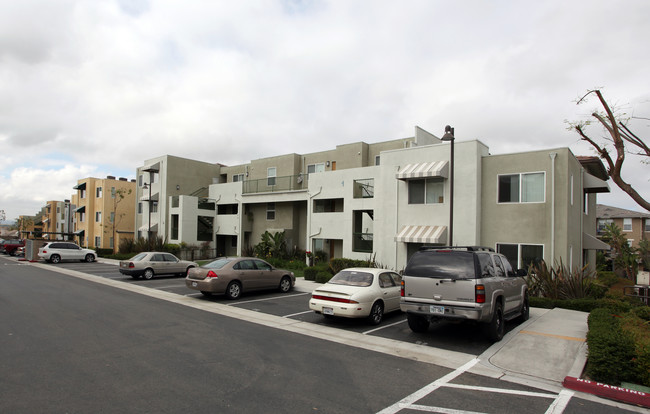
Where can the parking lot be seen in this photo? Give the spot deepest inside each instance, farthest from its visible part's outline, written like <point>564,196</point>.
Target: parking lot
<point>460,337</point>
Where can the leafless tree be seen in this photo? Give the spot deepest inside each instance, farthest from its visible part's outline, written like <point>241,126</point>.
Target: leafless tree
<point>620,136</point>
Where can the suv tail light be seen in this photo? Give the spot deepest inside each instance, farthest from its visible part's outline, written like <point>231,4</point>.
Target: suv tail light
<point>211,274</point>
<point>479,291</point>
<point>401,291</point>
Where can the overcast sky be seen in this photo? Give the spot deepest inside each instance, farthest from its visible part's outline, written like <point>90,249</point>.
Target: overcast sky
<point>90,88</point>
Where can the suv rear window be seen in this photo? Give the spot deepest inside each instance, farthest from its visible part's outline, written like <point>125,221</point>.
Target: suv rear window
<point>442,265</point>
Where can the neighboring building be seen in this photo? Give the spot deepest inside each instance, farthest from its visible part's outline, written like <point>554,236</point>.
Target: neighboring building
<point>386,200</point>
<point>104,211</point>
<point>58,220</point>
<point>160,181</point>
<point>635,226</point>
<point>30,227</point>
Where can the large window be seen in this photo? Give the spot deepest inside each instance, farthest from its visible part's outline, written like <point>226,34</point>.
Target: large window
<point>314,168</point>
<point>237,177</point>
<point>174,227</point>
<point>429,191</point>
<point>270,211</point>
<point>205,224</point>
<point>98,192</point>
<point>98,216</point>
<point>521,188</point>
<point>521,255</point>
<point>271,173</point>
<point>627,224</point>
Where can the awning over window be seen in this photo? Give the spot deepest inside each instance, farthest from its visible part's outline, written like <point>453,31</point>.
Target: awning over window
<point>424,170</point>
<point>80,186</point>
<point>152,168</point>
<point>594,185</point>
<point>144,229</point>
<point>79,232</point>
<point>590,242</point>
<point>80,209</point>
<point>422,234</point>
<point>145,196</point>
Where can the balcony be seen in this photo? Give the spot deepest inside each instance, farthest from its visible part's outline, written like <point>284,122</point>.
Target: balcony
<point>276,184</point>
<point>362,242</point>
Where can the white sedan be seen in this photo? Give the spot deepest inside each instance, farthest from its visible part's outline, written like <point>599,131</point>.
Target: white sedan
<point>359,292</point>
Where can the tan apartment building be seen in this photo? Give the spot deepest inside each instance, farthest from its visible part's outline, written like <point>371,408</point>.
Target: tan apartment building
<point>634,225</point>
<point>57,220</point>
<point>30,227</point>
<point>105,211</point>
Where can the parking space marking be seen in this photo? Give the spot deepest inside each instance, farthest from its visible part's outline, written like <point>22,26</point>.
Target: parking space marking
<point>296,314</point>
<point>559,404</point>
<point>384,326</point>
<point>266,299</point>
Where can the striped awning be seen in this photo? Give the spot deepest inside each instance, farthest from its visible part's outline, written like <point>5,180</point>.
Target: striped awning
<point>424,170</point>
<point>422,234</point>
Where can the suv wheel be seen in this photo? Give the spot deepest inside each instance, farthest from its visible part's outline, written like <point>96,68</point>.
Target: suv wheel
<point>90,258</point>
<point>55,258</point>
<point>525,311</point>
<point>496,327</point>
<point>417,323</point>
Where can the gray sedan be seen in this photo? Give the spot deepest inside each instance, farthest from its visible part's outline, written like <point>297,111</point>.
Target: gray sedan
<point>149,264</point>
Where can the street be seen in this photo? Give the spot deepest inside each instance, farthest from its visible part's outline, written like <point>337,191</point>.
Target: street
<point>71,345</point>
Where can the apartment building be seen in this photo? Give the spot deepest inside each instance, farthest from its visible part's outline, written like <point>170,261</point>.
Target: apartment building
<point>104,212</point>
<point>386,200</point>
<point>635,226</point>
<point>163,179</point>
<point>57,220</point>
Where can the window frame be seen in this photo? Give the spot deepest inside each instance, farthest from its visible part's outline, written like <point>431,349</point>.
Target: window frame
<point>271,175</point>
<point>317,167</point>
<point>270,211</point>
<point>520,192</point>
<point>629,223</point>
<point>425,181</point>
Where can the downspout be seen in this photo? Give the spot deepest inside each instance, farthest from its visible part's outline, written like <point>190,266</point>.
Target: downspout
<point>553,155</point>
<point>582,215</point>
<point>397,216</point>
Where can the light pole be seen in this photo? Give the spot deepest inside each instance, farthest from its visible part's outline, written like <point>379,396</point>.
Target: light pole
<point>449,136</point>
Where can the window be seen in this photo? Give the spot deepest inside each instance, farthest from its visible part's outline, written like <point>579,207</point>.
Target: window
<point>271,173</point>
<point>174,227</point>
<point>237,177</point>
<point>328,205</point>
<point>140,180</point>
<point>82,217</point>
<point>82,193</point>
<point>204,230</point>
<point>647,225</point>
<point>602,223</point>
<point>112,217</point>
<point>98,216</point>
<point>111,243</point>
<point>98,241</point>
<point>139,208</point>
<point>98,192</point>
<point>113,192</point>
<point>154,207</point>
<point>571,195</point>
<point>521,188</point>
<point>314,168</point>
<point>429,191</point>
<point>627,224</point>
<point>270,211</point>
<point>364,188</point>
<point>521,255</point>
<point>377,160</point>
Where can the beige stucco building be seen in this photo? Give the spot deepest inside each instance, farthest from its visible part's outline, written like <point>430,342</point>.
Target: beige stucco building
<point>105,211</point>
<point>57,220</point>
<point>386,200</point>
<point>635,226</point>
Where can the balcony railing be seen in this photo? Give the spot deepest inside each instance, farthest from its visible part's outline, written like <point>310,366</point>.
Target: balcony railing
<point>362,242</point>
<point>275,184</point>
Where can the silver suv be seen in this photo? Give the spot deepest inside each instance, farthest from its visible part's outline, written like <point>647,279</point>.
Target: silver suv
<point>463,283</point>
<point>55,252</point>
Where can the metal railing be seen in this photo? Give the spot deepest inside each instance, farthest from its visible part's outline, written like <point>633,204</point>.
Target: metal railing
<point>275,184</point>
<point>362,242</point>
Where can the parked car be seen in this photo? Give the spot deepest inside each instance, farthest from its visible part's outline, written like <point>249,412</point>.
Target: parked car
<point>56,252</point>
<point>463,284</point>
<point>358,293</point>
<point>235,275</point>
<point>20,252</point>
<point>9,246</point>
<point>150,264</point>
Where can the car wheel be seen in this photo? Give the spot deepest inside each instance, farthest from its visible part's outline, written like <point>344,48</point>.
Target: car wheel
<point>376,313</point>
<point>90,258</point>
<point>525,311</point>
<point>55,258</point>
<point>496,327</point>
<point>417,323</point>
<point>12,253</point>
<point>148,274</point>
<point>233,291</point>
<point>285,285</point>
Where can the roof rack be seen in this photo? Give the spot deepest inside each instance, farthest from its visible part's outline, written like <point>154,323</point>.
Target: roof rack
<point>467,248</point>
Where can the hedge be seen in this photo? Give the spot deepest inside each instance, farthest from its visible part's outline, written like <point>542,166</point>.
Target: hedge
<point>336,265</point>
<point>585,304</point>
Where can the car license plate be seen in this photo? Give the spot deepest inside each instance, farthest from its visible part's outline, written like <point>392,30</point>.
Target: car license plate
<point>194,284</point>
<point>437,309</point>
<point>328,311</point>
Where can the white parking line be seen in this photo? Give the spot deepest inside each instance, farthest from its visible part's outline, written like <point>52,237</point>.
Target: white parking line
<point>560,402</point>
<point>382,327</point>
<point>266,299</point>
<point>296,314</point>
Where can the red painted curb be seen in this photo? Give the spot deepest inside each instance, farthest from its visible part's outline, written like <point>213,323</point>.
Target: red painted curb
<point>608,391</point>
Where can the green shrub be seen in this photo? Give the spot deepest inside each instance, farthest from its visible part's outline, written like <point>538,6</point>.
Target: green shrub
<point>608,279</point>
<point>311,272</point>
<point>323,277</point>
<point>611,350</point>
<point>585,304</point>
<point>336,265</point>
<point>560,282</point>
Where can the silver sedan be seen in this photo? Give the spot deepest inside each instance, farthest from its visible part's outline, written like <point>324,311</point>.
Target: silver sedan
<point>150,264</point>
